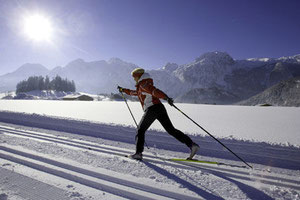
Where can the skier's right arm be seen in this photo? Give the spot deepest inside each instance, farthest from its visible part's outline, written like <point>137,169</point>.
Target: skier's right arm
<point>128,91</point>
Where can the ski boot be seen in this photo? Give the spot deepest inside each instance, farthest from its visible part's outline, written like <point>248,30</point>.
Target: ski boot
<point>136,156</point>
<point>194,148</point>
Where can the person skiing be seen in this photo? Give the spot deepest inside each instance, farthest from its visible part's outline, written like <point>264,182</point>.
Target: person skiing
<point>149,97</point>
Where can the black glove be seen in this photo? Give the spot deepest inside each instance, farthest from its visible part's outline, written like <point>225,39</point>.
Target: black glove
<point>170,101</point>
<point>120,89</point>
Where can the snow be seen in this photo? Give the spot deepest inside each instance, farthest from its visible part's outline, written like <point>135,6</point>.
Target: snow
<point>259,59</point>
<point>265,124</point>
<point>76,150</point>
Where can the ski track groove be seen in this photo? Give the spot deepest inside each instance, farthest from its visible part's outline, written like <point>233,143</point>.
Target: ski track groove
<point>122,193</point>
<point>83,181</point>
<point>217,151</point>
<point>209,147</point>
<point>84,123</point>
<point>30,187</point>
<point>220,172</point>
<point>106,149</point>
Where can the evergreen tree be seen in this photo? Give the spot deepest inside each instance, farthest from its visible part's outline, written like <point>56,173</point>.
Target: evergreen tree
<point>47,83</point>
<point>73,87</point>
<point>41,83</point>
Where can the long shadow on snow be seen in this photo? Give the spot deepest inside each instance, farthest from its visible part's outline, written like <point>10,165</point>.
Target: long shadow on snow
<point>253,152</point>
<point>85,181</point>
<point>197,190</point>
<point>251,192</point>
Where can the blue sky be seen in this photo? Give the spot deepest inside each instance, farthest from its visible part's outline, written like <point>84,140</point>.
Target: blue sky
<point>149,33</point>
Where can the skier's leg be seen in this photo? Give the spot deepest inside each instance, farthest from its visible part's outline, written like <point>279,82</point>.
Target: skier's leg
<point>146,121</point>
<point>165,121</point>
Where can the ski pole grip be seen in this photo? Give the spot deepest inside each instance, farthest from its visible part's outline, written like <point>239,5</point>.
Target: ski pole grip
<point>120,88</point>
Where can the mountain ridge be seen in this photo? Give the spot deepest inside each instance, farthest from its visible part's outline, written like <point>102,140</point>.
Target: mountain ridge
<point>284,93</point>
<point>210,72</point>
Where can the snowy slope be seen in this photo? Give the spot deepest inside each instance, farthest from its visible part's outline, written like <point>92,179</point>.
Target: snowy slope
<point>243,78</point>
<point>9,81</point>
<point>265,124</point>
<point>285,93</point>
<point>207,70</point>
<point>75,150</point>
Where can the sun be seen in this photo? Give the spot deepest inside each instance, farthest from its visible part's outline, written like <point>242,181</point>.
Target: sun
<point>38,28</point>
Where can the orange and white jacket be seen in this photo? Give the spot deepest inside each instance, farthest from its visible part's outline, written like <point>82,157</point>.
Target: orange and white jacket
<point>146,92</point>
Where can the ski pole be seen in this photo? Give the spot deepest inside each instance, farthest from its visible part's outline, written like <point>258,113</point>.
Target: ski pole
<point>129,108</point>
<point>213,137</point>
<point>131,114</point>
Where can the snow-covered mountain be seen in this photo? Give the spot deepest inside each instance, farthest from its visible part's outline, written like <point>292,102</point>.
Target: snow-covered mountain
<point>222,80</point>
<point>207,70</point>
<point>213,95</point>
<point>247,82</point>
<point>285,93</point>
<point>214,74</point>
<point>95,77</point>
<point>9,81</point>
<point>98,76</point>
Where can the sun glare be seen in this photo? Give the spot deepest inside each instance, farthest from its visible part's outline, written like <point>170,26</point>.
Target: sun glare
<point>38,28</point>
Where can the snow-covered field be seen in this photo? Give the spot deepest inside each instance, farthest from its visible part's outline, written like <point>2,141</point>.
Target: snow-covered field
<point>268,124</point>
<point>75,150</point>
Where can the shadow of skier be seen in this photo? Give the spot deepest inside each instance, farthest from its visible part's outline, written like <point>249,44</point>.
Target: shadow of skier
<point>204,194</point>
<point>249,191</point>
<point>3,197</point>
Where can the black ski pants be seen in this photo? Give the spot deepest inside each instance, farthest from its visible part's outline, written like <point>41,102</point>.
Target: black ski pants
<point>159,112</point>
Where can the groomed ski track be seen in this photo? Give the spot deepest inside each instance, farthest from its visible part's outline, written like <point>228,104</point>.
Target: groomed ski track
<point>79,159</point>
<point>275,155</point>
<point>125,188</point>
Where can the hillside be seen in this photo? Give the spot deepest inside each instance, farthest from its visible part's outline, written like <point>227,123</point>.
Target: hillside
<point>212,95</point>
<point>9,81</point>
<point>285,93</point>
<point>236,79</point>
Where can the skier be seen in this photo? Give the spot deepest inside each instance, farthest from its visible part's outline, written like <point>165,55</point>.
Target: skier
<point>153,109</point>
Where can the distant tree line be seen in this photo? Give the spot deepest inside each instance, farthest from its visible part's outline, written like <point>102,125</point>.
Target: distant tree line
<point>41,83</point>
